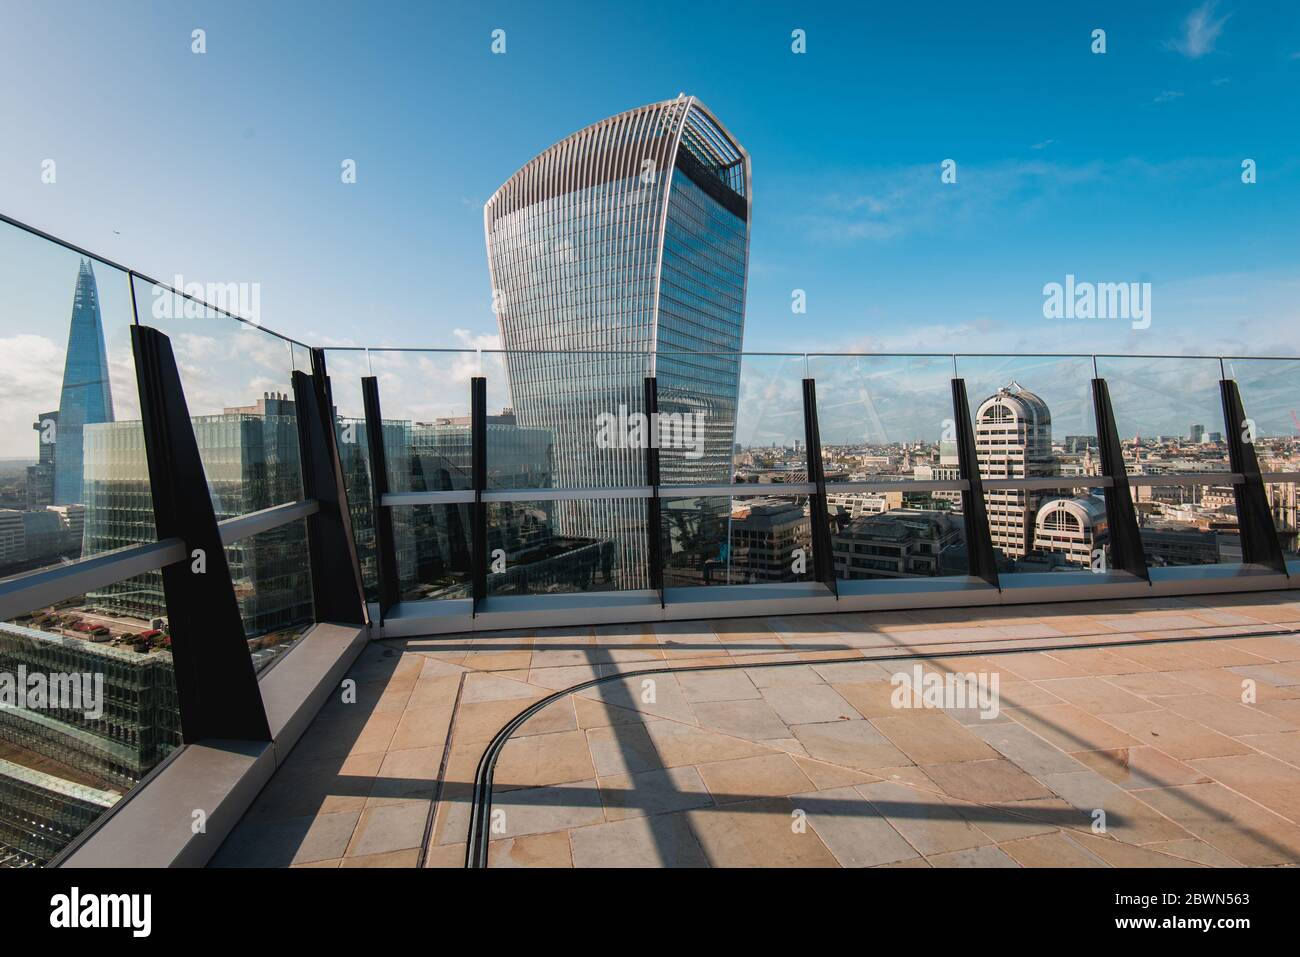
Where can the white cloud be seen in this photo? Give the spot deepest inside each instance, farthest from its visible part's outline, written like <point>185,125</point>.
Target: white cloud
<point>1200,32</point>
<point>880,205</point>
<point>888,203</point>
<point>1167,95</point>
<point>31,376</point>
<point>477,340</point>
<point>1226,314</point>
<point>230,368</point>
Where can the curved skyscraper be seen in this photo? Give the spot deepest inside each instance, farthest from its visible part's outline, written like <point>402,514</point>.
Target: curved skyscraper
<point>621,252</point>
<point>86,397</point>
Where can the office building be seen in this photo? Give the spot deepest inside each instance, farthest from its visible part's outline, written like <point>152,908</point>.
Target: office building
<point>617,253</point>
<point>61,768</point>
<point>40,477</point>
<point>899,543</point>
<point>250,456</point>
<point>1013,440</point>
<point>1072,527</point>
<point>771,541</point>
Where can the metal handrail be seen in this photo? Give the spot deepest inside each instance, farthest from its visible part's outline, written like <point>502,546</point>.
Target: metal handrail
<point>133,274</point>
<point>254,523</point>
<point>48,586</point>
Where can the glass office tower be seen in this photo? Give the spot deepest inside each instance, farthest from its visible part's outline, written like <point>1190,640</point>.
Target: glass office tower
<point>617,253</point>
<point>86,398</point>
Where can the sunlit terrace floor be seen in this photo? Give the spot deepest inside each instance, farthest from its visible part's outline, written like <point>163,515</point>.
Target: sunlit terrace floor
<point>779,753</point>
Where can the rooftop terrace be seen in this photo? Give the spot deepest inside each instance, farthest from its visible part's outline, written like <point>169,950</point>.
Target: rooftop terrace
<point>347,639</point>
<point>1122,739</point>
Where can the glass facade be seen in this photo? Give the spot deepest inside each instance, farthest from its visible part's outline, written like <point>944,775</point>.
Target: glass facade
<point>251,461</point>
<point>616,254</point>
<point>87,395</point>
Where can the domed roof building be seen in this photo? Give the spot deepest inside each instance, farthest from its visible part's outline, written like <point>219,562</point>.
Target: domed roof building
<point>1013,440</point>
<point>1073,527</point>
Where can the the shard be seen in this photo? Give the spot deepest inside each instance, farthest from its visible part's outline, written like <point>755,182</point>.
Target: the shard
<point>87,397</point>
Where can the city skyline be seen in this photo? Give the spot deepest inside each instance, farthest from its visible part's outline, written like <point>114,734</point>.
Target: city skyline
<point>557,237</point>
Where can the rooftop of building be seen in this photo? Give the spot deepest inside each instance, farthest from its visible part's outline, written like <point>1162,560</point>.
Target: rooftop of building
<point>1131,706</point>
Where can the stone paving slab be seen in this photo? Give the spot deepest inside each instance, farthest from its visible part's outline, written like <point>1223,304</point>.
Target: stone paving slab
<point>1146,753</point>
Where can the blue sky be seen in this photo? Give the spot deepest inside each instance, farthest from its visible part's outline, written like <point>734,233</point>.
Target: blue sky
<point>1122,167</point>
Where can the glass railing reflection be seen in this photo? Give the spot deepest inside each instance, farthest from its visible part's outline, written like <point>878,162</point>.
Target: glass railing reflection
<point>723,540</point>
<point>1169,415</point>
<point>565,419</point>
<point>424,398</point>
<point>886,422</point>
<point>530,553</point>
<point>1033,418</point>
<point>87,690</point>
<point>885,418</point>
<point>1270,395</point>
<point>73,481</point>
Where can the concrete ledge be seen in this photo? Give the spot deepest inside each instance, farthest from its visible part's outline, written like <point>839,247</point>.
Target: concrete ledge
<point>720,601</point>
<point>576,608</point>
<point>297,687</point>
<point>152,826</point>
<point>433,616</point>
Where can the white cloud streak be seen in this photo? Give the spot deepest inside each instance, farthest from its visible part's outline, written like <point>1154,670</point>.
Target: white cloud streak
<point>1200,32</point>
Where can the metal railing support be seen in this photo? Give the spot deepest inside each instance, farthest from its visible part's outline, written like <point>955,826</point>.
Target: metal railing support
<point>216,685</point>
<point>385,547</point>
<point>1259,544</point>
<point>336,588</point>
<point>478,469</point>
<point>979,542</point>
<point>654,522</point>
<point>1126,552</point>
<point>823,556</point>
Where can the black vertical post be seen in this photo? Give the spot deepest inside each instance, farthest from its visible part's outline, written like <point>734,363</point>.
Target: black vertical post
<point>216,686</point>
<point>654,525</point>
<point>979,542</point>
<point>385,549</point>
<point>478,469</point>
<point>1259,544</point>
<point>823,556</point>
<point>1126,552</point>
<point>336,586</point>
